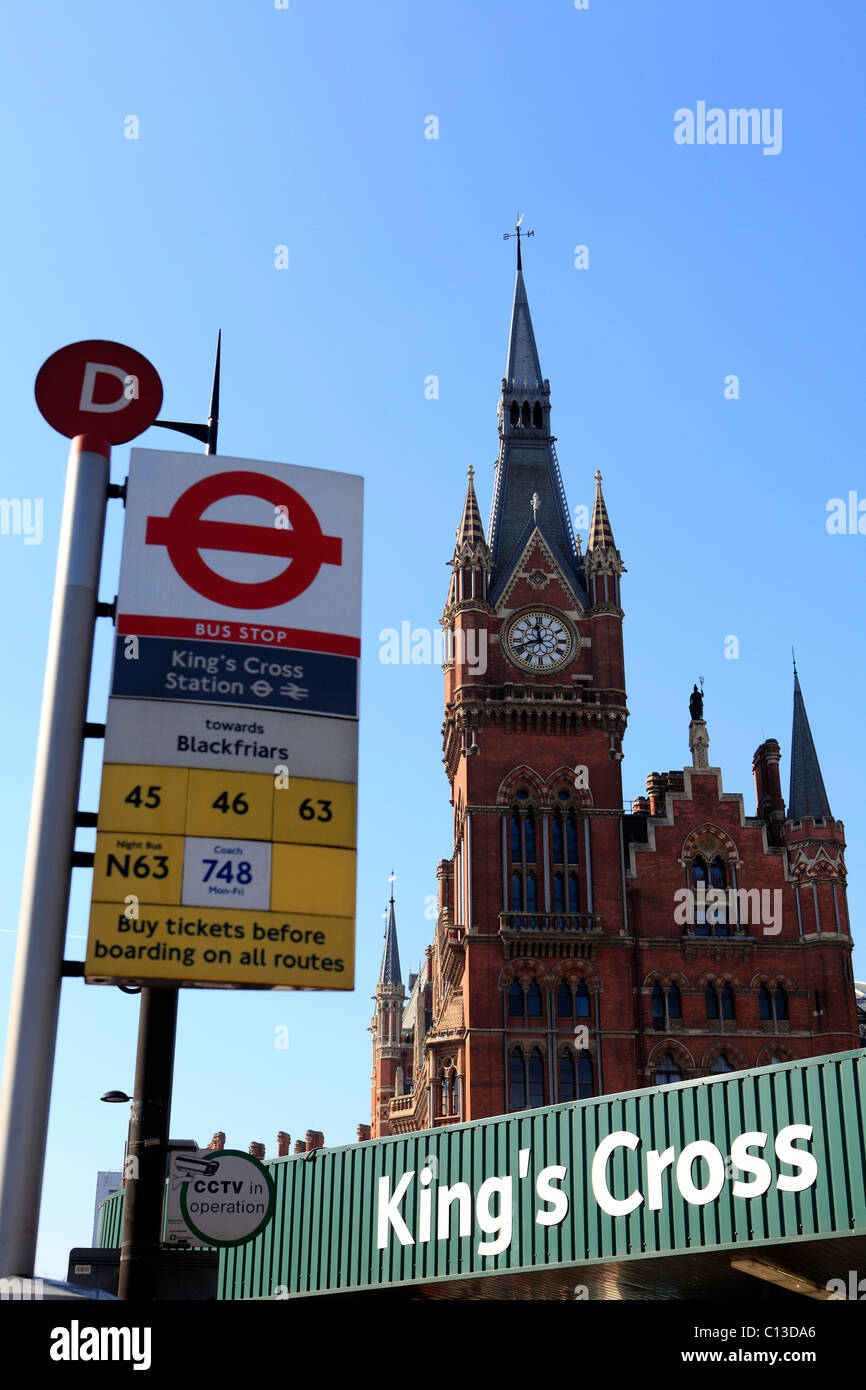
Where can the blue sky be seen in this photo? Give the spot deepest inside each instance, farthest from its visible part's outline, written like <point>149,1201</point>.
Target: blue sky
<point>305,127</point>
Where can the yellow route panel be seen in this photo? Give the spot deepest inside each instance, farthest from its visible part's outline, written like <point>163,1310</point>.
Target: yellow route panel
<point>148,866</point>
<point>309,879</point>
<point>310,812</point>
<point>233,805</point>
<point>143,798</point>
<point>190,946</point>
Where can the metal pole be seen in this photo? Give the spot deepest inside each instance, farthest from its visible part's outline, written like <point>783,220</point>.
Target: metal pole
<point>148,1145</point>
<point>35,1002</point>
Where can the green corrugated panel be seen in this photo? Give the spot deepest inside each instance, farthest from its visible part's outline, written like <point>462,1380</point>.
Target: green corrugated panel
<point>324,1233</point>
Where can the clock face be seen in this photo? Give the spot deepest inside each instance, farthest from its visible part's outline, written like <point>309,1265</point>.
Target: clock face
<point>539,641</point>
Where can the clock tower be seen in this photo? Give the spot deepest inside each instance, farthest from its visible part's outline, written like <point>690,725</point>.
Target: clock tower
<point>564,964</point>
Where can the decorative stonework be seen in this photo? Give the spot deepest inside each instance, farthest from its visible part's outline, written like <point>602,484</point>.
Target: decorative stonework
<point>820,864</point>
<point>699,742</point>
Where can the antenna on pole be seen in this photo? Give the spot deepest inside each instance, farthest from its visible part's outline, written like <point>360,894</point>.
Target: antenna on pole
<point>205,434</point>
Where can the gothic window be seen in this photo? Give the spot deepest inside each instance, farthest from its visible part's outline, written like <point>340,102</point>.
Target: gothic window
<point>515,414</point>
<point>517,1080</point>
<point>703,878</point>
<point>527,415</point>
<point>728,1002</point>
<point>712,1004</point>
<point>667,1071</point>
<point>666,1004</point>
<point>453,1108</point>
<point>773,1008</point>
<point>658,1007</point>
<point>533,1001</point>
<point>524,853</point>
<point>780,1004</point>
<point>564,1002</point>
<point>444,1088</point>
<point>765,1003</point>
<point>565,860</point>
<point>536,415</point>
<point>581,1001</point>
<point>515,1000</point>
<point>721,1064</point>
<point>536,1078</point>
<point>584,1079</point>
<point>531,893</point>
<point>567,1077</point>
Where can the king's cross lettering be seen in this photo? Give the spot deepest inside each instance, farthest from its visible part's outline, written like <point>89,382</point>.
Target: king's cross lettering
<point>185,534</point>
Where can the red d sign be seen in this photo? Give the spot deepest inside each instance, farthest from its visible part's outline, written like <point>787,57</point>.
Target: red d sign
<point>99,388</point>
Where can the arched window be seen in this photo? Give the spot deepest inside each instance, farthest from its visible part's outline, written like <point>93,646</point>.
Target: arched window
<point>564,1002</point>
<point>536,1078</point>
<point>531,893</point>
<point>721,1064</point>
<point>572,892</point>
<point>581,1001</point>
<point>533,1001</point>
<point>712,1003</point>
<point>454,1092</point>
<point>515,414</point>
<point>584,1079</point>
<point>780,1003</point>
<point>558,893</point>
<point>557,838</point>
<point>667,1071</point>
<point>536,416</point>
<point>571,837</point>
<point>728,1002</point>
<point>516,847</point>
<point>527,415</point>
<point>567,1077</point>
<point>530,839</point>
<point>717,873</point>
<point>517,1080</point>
<point>516,893</point>
<point>515,1000</point>
<point>658,1007</point>
<point>443,1081</point>
<point>765,1003</point>
<point>675,1003</point>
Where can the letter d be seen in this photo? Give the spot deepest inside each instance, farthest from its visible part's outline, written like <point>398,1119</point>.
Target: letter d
<point>91,371</point>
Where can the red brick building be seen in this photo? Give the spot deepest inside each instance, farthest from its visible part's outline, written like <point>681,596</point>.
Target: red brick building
<point>581,946</point>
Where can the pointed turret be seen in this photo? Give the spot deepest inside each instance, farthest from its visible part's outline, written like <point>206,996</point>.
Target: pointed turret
<point>602,564</point>
<point>808,796</point>
<point>471,560</point>
<point>527,467</point>
<point>600,529</point>
<point>389,973</point>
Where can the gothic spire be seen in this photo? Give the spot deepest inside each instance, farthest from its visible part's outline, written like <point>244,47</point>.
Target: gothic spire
<point>523,370</point>
<point>470,532</point>
<point>389,974</point>
<point>527,464</point>
<point>600,530</point>
<point>808,796</point>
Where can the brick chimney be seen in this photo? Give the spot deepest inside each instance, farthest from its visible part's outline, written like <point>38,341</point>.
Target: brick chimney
<point>300,1146</point>
<point>768,788</point>
<point>284,1143</point>
<point>363,1133</point>
<point>257,1150</point>
<point>314,1139</point>
<point>218,1141</point>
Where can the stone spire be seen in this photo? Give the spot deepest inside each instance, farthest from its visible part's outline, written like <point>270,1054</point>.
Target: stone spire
<point>523,369</point>
<point>808,796</point>
<point>470,532</point>
<point>389,974</point>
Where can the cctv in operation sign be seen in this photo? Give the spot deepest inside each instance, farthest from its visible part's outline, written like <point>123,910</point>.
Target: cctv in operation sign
<point>226,832</point>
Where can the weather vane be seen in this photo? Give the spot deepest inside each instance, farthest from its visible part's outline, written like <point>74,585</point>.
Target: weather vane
<point>506,236</point>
